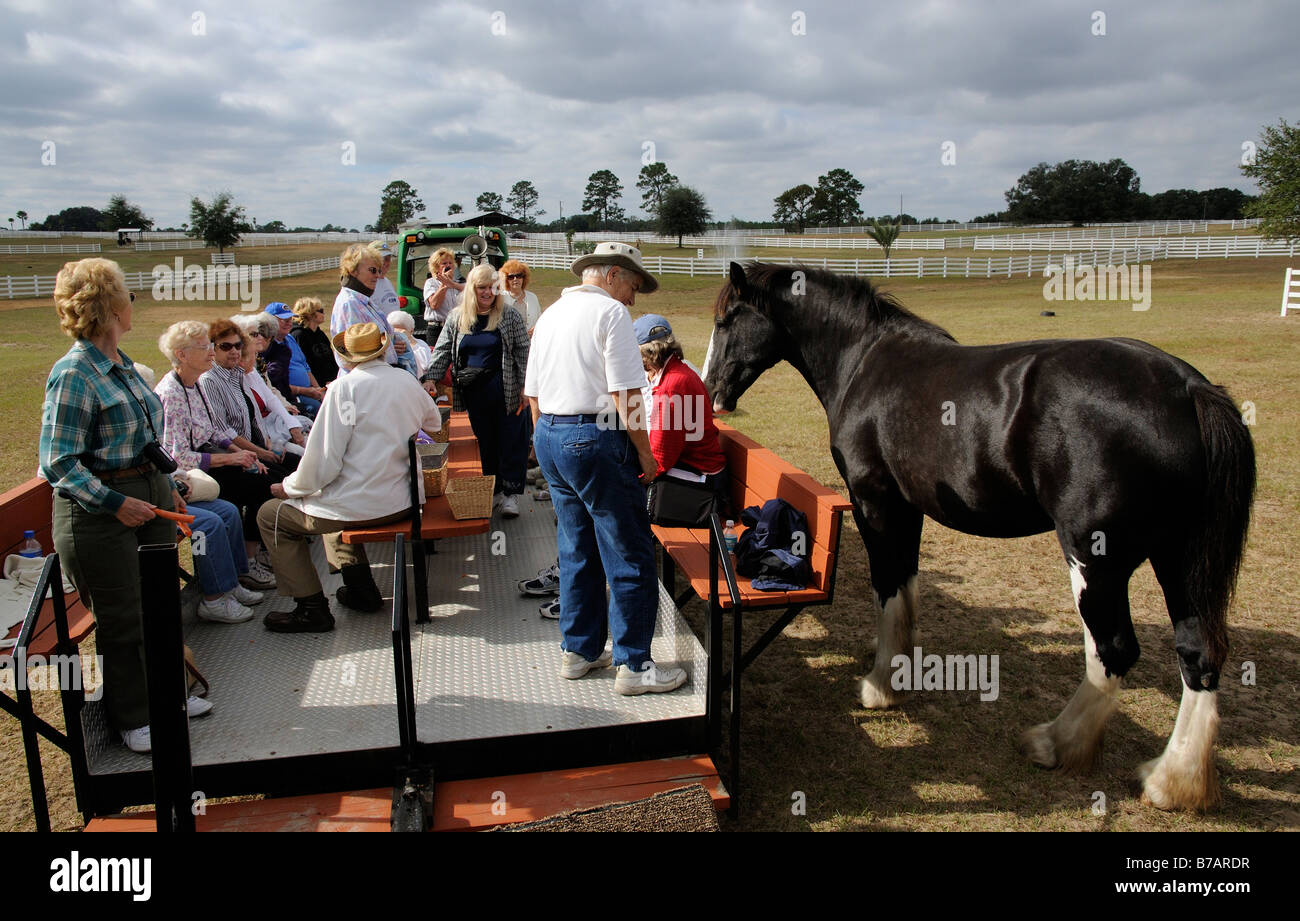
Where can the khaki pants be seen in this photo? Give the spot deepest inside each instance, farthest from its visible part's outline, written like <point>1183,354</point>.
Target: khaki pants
<point>101,556</point>
<point>285,530</point>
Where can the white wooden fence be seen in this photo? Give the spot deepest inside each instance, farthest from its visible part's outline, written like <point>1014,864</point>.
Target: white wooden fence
<point>1291,291</point>
<point>60,248</point>
<point>1165,247</point>
<point>41,285</point>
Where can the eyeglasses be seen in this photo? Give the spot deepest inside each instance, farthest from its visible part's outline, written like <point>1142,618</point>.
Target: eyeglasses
<point>515,276</point>
<point>206,347</point>
<point>228,346</point>
<point>258,333</point>
<point>372,270</point>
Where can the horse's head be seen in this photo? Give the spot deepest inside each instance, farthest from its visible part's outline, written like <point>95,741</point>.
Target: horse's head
<point>745,341</point>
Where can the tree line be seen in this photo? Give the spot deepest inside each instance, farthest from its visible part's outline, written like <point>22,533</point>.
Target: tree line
<point>1073,191</point>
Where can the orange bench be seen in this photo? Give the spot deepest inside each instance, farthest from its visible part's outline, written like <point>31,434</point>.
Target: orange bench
<point>30,507</point>
<point>757,475</point>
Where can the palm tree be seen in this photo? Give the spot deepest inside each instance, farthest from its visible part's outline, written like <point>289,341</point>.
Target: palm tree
<point>884,234</point>
<point>22,216</point>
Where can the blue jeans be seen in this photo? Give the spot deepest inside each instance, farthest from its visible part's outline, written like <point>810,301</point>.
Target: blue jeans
<point>223,559</point>
<point>603,535</point>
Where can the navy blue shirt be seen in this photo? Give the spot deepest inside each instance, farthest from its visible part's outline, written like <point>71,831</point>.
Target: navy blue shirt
<point>482,349</point>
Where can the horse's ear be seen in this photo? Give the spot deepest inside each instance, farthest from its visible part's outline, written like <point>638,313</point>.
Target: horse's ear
<point>738,277</point>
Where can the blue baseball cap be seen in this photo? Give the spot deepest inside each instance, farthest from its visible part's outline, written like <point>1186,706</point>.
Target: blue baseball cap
<point>651,327</point>
<point>279,310</point>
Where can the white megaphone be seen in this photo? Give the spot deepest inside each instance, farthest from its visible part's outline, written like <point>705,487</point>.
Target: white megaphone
<point>475,247</point>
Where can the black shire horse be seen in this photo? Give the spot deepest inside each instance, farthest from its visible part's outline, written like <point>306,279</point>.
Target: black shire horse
<point>1126,452</point>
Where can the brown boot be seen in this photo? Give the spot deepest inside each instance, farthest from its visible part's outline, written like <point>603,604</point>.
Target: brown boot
<point>312,615</point>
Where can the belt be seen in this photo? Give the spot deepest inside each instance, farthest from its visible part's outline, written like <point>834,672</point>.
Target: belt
<point>126,472</point>
<point>581,419</point>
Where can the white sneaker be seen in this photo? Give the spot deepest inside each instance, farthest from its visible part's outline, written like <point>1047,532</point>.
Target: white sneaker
<point>652,679</point>
<point>259,577</point>
<point>196,707</point>
<point>225,610</point>
<point>510,507</point>
<point>137,740</point>
<point>245,596</point>
<point>575,666</point>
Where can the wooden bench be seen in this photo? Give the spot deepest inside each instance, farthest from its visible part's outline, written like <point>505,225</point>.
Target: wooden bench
<point>757,475</point>
<point>30,507</point>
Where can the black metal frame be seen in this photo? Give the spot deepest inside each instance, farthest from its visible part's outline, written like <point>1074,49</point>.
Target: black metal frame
<point>164,661</point>
<point>418,561</point>
<point>741,659</point>
<point>20,707</point>
<point>413,792</point>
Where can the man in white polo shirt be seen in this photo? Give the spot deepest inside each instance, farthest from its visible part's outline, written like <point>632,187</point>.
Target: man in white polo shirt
<point>583,383</point>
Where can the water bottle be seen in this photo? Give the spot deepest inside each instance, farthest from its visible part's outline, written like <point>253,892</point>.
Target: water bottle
<point>729,535</point>
<point>31,548</point>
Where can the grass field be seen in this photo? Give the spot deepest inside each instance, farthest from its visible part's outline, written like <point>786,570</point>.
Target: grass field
<point>941,761</point>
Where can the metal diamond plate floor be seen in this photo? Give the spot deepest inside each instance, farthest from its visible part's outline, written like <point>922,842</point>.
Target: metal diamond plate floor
<point>486,666</point>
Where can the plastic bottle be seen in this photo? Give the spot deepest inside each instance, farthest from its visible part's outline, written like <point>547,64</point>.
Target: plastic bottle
<point>31,546</point>
<point>729,535</point>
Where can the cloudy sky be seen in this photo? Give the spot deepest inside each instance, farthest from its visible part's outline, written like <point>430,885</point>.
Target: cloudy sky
<point>164,101</point>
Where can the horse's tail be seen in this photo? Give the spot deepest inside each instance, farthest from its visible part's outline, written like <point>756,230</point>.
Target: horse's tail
<point>1217,543</point>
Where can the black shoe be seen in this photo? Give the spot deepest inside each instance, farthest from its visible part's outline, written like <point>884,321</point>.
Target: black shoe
<point>359,591</point>
<point>312,615</point>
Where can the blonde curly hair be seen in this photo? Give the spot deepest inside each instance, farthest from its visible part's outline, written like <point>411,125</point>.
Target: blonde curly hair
<point>352,257</point>
<point>305,308</point>
<point>85,295</point>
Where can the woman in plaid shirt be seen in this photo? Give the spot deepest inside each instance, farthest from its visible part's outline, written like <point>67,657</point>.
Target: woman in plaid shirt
<point>97,419</point>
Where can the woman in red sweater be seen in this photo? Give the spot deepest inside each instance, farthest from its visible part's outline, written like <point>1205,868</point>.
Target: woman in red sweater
<point>679,410</point>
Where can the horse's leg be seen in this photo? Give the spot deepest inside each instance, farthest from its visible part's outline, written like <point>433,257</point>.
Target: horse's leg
<point>1073,740</point>
<point>893,549</point>
<point>1184,776</point>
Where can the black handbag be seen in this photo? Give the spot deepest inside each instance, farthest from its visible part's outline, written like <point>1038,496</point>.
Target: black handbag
<point>675,503</point>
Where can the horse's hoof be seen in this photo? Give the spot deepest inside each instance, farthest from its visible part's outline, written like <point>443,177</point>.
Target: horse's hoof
<point>1038,745</point>
<point>1162,789</point>
<point>874,698</point>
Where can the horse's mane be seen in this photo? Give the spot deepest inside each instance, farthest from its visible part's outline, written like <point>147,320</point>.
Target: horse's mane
<point>843,293</point>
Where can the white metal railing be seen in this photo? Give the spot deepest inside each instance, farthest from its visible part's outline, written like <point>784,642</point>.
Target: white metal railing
<point>30,249</point>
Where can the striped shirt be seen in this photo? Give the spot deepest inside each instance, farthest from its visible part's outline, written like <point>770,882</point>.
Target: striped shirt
<point>231,403</point>
<point>94,419</point>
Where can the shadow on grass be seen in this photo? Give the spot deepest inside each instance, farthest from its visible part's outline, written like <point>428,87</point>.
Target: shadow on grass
<point>947,760</point>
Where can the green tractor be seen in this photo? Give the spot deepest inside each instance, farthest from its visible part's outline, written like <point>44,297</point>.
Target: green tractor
<point>417,243</point>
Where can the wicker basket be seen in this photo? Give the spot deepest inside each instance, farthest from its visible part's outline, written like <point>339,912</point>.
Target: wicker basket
<point>443,435</point>
<point>471,496</point>
<point>435,482</point>
<point>433,464</point>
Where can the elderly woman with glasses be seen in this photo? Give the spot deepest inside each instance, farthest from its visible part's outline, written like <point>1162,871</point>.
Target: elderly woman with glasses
<point>359,269</point>
<point>99,450</point>
<point>233,406</point>
<point>517,275</point>
<point>188,429</point>
<point>486,345</point>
